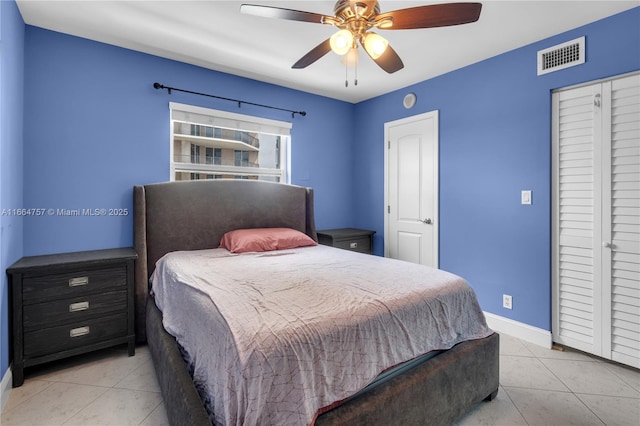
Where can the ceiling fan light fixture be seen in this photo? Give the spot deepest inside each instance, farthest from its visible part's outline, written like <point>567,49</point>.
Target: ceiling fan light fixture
<point>354,19</point>
<point>375,45</point>
<point>341,42</point>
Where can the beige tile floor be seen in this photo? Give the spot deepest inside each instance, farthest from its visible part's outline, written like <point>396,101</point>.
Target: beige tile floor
<point>537,387</point>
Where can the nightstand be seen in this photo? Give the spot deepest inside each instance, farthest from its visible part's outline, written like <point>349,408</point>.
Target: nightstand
<point>360,240</point>
<point>71,303</point>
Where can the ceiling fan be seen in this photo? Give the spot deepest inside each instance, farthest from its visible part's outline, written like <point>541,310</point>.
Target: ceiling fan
<point>356,18</point>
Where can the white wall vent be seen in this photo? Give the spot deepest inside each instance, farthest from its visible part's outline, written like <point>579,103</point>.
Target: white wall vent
<point>561,56</point>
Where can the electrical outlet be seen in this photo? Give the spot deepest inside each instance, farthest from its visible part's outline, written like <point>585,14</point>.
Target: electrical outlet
<point>507,301</point>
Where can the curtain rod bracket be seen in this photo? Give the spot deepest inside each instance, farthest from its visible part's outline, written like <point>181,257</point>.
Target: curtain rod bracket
<point>158,86</point>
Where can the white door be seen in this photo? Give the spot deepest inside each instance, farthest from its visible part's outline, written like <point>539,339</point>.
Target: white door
<point>577,153</point>
<point>411,189</point>
<point>596,218</point>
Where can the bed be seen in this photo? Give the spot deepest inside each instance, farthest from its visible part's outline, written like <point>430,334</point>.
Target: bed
<point>181,217</point>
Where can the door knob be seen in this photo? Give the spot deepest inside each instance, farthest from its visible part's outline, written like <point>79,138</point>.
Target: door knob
<point>606,244</point>
<point>426,221</point>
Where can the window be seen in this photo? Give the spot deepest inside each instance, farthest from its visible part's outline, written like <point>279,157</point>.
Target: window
<point>210,144</point>
<point>242,158</point>
<point>195,154</point>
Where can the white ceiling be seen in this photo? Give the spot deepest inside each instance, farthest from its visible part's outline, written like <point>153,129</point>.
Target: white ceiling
<point>215,35</point>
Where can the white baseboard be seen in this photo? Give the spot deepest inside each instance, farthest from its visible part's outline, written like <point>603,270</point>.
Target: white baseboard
<point>520,330</point>
<point>5,388</point>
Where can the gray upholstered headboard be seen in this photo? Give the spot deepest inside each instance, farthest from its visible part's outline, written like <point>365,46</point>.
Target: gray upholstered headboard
<point>194,215</point>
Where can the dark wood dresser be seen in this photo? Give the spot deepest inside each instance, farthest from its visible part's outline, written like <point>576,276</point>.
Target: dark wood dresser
<point>71,303</point>
<point>360,240</point>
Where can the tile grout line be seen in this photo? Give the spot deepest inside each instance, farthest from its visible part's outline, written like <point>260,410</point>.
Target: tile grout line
<point>106,389</point>
<point>50,383</point>
<point>576,395</point>
<point>569,390</point>
<point>152,411</point>
<point>584,404</point>
<point>622,377</point>
<point>514,405</point>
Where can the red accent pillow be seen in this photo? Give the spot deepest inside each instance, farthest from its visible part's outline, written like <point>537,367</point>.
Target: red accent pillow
<point>264,239</point>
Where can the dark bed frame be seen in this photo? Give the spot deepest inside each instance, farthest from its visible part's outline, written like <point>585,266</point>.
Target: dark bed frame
<point>194,215</point>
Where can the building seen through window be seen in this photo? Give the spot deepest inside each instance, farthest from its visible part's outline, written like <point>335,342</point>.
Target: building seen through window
<point>206,147</point>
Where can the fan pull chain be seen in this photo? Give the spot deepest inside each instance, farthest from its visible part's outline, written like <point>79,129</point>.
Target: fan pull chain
<point>355,80</point>
<point>346,73</point>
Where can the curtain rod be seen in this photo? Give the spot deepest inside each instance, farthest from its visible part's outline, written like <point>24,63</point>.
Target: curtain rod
<point>169,89</point>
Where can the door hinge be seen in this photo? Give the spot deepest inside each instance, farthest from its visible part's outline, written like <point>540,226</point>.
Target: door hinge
<point>389,144</point>
<point>389,209</point>
<point>596,100</point>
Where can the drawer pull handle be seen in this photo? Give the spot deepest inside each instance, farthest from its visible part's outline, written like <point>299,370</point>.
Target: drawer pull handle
<point>80,331</point>
<point>80,306</point>
<point>75,282</point>
<point>353,245</point>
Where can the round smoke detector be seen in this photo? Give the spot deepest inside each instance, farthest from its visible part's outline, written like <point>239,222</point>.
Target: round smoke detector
<point>409,100</point>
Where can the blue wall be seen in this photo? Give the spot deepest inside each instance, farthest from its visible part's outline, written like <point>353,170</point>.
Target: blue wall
<point>495,140</point>
<point>97,127</point>
<point>11,138</point>
<point>102,128</point>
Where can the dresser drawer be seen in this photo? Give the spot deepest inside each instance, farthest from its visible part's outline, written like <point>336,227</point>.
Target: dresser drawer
<point>78,334</point>
<point>45,314</point>
<point>355,244</point>
<point>360,240</point>
<point>72,284</point>
<point>66,304</point>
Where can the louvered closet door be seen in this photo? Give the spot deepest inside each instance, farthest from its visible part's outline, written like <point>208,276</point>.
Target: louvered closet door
<point>596,217</point>
<point>577,136</point>
<point>624,209</point>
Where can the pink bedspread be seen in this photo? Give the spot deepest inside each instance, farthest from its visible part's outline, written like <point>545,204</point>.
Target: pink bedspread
<point>274,337</point>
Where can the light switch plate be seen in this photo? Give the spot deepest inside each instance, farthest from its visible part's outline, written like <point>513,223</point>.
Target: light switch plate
<point>526,197</point>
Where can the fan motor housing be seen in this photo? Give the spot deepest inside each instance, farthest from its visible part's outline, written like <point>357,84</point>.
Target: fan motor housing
<point>346,9</point>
